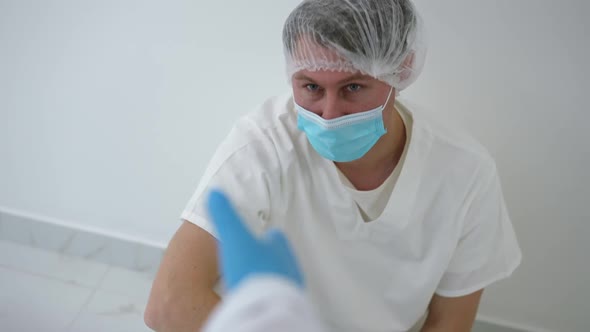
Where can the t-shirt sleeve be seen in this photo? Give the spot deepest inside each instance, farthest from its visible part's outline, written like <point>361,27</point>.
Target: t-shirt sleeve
<point>487,249</point>
<point>244,168</point>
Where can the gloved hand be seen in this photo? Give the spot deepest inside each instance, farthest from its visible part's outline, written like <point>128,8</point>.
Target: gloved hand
<point>241,254</point>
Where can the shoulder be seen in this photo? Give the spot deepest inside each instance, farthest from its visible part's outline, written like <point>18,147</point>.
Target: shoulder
<point>261,137</point>
<point>449,141</point>
<point>274,114</point>
<point>446,154</point>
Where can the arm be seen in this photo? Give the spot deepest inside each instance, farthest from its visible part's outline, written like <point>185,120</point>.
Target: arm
<point>487,251</point>
<point>455,314</point>
<point>182,295</point>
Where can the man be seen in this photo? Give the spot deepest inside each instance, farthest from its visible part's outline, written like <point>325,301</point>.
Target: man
<point>399,222</point>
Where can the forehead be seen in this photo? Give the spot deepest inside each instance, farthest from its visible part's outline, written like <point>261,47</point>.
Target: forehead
<point>331,77</point>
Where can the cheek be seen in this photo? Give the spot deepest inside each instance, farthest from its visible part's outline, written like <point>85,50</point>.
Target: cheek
<point>299,92</point>
<point>300,98</point>
<point>305,99</point>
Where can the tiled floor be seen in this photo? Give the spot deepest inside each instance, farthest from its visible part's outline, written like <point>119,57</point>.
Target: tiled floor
<point>45,291</point>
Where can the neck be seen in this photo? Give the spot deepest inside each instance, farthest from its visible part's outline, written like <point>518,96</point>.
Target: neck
<point>370,171</point>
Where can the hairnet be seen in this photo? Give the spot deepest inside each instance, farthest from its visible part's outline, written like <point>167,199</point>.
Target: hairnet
<point>380,38</point>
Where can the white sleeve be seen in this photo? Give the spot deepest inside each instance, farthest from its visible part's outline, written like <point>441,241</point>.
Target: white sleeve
<point>487,250</point>
<point>245,167</point>
<point>264,304</point>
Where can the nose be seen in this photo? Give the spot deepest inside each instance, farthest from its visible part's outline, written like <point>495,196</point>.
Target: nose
<point>332,107</point>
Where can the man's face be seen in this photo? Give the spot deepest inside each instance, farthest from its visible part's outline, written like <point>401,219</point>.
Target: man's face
<point>332,94</point>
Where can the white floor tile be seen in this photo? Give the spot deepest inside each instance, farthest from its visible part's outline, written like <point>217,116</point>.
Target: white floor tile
<point>111,312</point>
<point>45,263</point>
<point>35,303</point>
<point>135,285</point>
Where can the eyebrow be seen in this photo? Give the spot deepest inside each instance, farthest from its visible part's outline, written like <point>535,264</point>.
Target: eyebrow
<point>356,77</point>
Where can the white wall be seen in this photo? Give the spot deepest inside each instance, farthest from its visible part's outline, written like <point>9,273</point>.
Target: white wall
<point>515,73</point>
<point>110,110</point>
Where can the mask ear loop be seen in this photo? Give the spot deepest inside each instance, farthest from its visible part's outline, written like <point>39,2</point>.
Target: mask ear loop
<point>387,101</point>
<point>388,96</point>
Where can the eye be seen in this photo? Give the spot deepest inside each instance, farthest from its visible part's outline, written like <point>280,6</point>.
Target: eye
<point>312,87</point>
<point>353,87</point>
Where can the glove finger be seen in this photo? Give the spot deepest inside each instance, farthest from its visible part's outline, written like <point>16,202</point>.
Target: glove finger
<point>227,222</point>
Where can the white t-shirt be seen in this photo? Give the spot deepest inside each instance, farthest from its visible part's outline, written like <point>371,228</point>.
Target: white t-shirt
<point>371,203</point>
<point>444,229</point>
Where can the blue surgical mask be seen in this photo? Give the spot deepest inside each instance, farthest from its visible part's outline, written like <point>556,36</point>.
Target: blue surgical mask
<point>345,138</point>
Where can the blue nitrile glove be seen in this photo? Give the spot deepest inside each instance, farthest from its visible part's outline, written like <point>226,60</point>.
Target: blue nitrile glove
<point>241,254</point>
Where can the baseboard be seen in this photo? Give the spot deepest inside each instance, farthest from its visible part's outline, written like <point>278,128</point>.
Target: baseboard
<point>66,238</point>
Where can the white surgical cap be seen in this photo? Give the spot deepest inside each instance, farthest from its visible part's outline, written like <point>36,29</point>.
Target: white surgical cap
<point>381,38</point>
